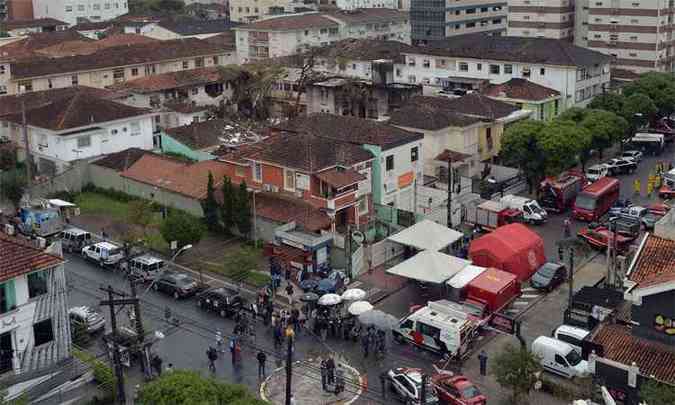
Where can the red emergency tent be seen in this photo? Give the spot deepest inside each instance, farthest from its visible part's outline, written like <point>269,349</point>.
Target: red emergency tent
<point>513,248</point>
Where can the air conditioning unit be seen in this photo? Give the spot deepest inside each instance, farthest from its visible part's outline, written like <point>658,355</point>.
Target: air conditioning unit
<point>9,229</point>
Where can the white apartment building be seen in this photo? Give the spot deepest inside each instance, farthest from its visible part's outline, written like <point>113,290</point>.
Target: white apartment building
<point>638,34</point>
<point>577,73</point>
<point>288,35</point>
<point>73,11</point>
<point>246,11</point>
<point>434,20</point>
<point>541,18</point>
<point>354,4</point>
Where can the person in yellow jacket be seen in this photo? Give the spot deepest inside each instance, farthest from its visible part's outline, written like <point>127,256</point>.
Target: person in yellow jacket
<point>636,186</point>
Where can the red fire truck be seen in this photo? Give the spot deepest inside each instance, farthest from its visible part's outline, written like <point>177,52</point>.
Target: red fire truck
<point>558,194</point>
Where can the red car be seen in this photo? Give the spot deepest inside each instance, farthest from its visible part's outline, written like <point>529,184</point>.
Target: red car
<point>666,193</point>
<point>659,208</point>
<point>457,390</point>
<point>599,236</point>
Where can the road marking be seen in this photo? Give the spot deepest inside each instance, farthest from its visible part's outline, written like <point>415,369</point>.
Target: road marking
<point>528,289</point>
<point>530,295</point>
<point>521,303</point>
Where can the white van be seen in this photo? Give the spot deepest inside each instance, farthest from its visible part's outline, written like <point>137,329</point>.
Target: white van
<point>559,357</point>
<point>532,212</point>
<point>438,327</point>
<point>571,335</point>
<point>104,253</point>
<point>145,267</point>
<point>669,179</point>
<point>596,172</point>
<point>74,239</point>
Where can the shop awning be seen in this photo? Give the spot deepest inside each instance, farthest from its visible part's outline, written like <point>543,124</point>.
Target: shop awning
<point>464,276</point>
<point>427,235</point>
<point>430,267</point>
<point>340,178</point>
<point>55,202</point>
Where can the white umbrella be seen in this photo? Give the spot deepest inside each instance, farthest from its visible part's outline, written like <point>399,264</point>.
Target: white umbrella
<point>378,319</point>
<point>330,299</point>
<point>353,294</point>
<point>359,307</point>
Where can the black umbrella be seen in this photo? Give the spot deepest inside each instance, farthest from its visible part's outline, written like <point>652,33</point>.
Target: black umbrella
<point>309,297</point>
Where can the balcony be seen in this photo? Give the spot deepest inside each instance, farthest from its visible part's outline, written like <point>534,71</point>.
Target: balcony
<point>338,187</point>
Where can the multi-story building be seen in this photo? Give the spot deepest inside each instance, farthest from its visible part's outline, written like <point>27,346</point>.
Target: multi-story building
<point>637,34</point>
<point>16,10</point>
<point>4,10</point>
<point>112,65</point>
<point>354,4</point>
<point>34,326</point>
<point>541,18</point>
<point>576,73</point>
<point>434,20</point>
<point>246,11</point>
<point>18,28</point>
<point>74,12</point>
<point>288,35</point>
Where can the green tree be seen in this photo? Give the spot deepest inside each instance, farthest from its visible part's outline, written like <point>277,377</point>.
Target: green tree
<point>140,213</point>
<point>254,95</point>
<point>609,102</point>
<point>13,186</point>
<point>574,114</point>
<point>80,335</point>
<point>7,158</point>
<point>188,387</point>
<point>605,128</point>
<point>210,206</point>
<point>659,87</point>
<point>520,148</point>
<point>562,142</point>
<point>228,206</point>
<point>242,213</point>
<point>638,109</point>
<point>515,370</point>
<point>655,393</point>
<point>183,228</point>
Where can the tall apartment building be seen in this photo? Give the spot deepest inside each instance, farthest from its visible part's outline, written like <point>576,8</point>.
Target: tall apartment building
<point>433,20</point>
<point>246,11</point>
<point>72,11</point>
<point>541,18</point>
<point>636,33</point>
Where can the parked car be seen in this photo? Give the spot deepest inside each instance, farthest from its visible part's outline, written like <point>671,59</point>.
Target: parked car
<point>559,357</point>
<point>596,172</point>
<point>457,390</point>
<point>103,253</point>
<point>178,285</point>
<point>407,384</point>
<point>619,206</point>
<point>221,300</point>
<point>659,208</point>
<point>620,166</point>
<point>650,219</point>
<point>636,155</point>
<point>74,239</point>
<point>571,335</point>
<point>549,276</point>
<point>666,193</point>
<point>90,319</point>
<point>145,267</point>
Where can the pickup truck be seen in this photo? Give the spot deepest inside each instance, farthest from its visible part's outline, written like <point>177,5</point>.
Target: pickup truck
<point>641,214</point>
<point>532,212</point>
<point>489,215</point>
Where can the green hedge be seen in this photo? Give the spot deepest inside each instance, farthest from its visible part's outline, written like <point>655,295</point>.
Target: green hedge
<point>103,374</point>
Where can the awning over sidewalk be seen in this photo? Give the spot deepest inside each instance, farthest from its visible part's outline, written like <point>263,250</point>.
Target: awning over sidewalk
<point>427,235</point>
<point>464,276</point>
<point>430,267</point>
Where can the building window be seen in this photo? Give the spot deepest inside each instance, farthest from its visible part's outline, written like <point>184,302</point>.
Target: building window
<point>50,84</point>
<point>494,69</point>
<point>389,163</point>
<point>69,9</point>
<point>479,66</point>
<point>37,283</point>
<point>195,91</point>
<point>289,179</point>
<point>199,62</point>
<point>134,71</point>
<point>43,332</point>
<point>2,69</point>
<point>150,70</point>
<point>25,85</point>
<point>7,297</point>
<point>239,171</point>
<point>80,7</point>
<point>135,128</point>
<point>542,71</point>
<point>186,65</point>
<point>257,172</point>
<point>3,89</point>
<point>363,206</point>
<point>118,75</point>
<point>463,67</point>
<point>508,69</point>
<point>216,60</point>
<point>526,72</point>
<point>414,154</point>
<point>488,138</point>
<point>84,141</point>
<point>426,63</point>
<point>556,106</point>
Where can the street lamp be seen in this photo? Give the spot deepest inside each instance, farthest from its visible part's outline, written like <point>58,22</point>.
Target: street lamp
<point>179,251</point>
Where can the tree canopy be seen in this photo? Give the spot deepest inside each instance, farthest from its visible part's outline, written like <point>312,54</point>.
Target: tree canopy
<point>659,87</point>
<point>515,369</point>
<point>655,393</point>
<point>210,206</point>
<point>183,228</point>
<point>520,148</point>
<point>188,387</point>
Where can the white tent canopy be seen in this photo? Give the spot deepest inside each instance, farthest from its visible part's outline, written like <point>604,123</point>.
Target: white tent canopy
<point>430,267</point>
<point>464,276</point>
<point>427,235</point>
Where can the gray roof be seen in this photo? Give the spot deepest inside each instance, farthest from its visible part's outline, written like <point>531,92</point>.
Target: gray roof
<point>194,26</point>
<point>515,49</point>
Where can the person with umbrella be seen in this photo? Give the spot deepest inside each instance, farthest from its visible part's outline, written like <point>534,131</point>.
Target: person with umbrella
<point>365,344</point>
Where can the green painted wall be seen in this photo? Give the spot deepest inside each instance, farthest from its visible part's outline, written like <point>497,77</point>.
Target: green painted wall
<point>170,145</point>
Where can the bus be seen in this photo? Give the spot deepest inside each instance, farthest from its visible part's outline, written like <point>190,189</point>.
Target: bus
<point>595,200</point>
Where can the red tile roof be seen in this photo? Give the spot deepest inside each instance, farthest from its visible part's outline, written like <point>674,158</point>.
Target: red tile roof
<point>34,99</point>
<point>656,263</point>
<point>340,178</point>
<point>181,78</point>
<point>81,47</point>
<point>18,257</point>
<point>26,47</point>
<point>292,23</point>
<point>34,23</point>
<point>188,179</point>
<point>520,89</point>
<point>280,208</point>
<point>651,357</point>
<point>456,156</point>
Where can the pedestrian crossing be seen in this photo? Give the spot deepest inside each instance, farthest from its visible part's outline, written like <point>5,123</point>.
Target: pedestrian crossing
<point>528,297</point>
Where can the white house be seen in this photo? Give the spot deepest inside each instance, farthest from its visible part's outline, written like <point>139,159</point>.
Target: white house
<point>73,12</point>
<point>34,325</point>
<point>288,35</point>
<point>180,28</point>
<point>577,73</point>
<point>79,125</point>
<point>18,28</point>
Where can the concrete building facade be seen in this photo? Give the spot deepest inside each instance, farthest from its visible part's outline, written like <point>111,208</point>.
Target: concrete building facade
<point>74,12</point>
<point>433,20</point>
<point>637,34</point>
<point>541,18</point>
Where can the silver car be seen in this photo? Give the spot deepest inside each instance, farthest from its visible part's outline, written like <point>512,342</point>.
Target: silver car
<point>92,320</point>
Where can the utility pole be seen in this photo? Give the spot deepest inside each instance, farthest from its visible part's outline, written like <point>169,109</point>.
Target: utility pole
<point>571,279</point>
<point>140,332</point>
<point>117,365</point>
<point>423,393</point>
<point>26,142</point>
<point>349,250</point>
<point>289,368</point>
<point>449,188</point>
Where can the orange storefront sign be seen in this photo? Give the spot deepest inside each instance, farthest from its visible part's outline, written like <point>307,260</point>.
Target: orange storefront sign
<point>405,179</point>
